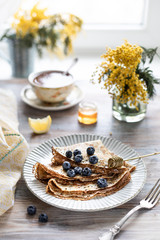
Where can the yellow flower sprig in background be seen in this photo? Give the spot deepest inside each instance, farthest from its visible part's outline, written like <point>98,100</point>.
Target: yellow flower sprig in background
<point>35,27</point>
<point>26,22</point>
<point>117,74</point>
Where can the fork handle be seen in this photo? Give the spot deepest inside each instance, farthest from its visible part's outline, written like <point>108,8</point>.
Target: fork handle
<point>117,227</point>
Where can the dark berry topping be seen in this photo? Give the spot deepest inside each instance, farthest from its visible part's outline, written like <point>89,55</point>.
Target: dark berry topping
<point>78,158</point>
<point>71,173</point>
<point>86,171</point>
<point>66,165</point>
<point>31,210</point>
<point>78,170</point>
<point>90,151</point>
<point>76,152</point>
<point>43,218</point>
<point>102,183</point>
<point>68,154</point>
<point>93,159</point>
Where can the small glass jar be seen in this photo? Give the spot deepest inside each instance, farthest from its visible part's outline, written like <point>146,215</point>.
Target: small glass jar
<point>87,112</point>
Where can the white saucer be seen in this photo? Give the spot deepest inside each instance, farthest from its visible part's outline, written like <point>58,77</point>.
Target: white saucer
<point>28,96</point>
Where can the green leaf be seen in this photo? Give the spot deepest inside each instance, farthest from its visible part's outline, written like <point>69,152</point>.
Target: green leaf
<point>66,45</point>
<point>147,76</point>
<point>148,53</point>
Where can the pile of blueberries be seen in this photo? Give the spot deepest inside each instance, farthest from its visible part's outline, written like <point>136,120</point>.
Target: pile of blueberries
<point>77,156</point>
<point>43,218</point>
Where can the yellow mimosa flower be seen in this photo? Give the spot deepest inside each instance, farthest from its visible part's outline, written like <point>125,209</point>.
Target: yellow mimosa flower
<point>119,68</point>
<point>38,14</point>
<point>53,32</point>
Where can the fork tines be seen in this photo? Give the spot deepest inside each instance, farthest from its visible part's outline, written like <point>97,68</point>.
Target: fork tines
<point>154,195</point>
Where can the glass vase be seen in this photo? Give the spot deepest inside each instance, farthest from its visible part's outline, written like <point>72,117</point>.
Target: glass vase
<point>125,112</point>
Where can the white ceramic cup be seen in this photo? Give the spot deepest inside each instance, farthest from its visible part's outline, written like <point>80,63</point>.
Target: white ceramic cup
<point>51,94</point>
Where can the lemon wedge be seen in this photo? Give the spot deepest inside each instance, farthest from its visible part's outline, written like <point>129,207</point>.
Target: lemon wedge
<point>40,125</point>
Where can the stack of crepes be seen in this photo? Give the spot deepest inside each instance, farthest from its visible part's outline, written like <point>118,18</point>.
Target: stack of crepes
<point>79,187</point>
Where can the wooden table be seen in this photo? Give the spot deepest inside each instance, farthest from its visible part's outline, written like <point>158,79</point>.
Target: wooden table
<point>66,225</point>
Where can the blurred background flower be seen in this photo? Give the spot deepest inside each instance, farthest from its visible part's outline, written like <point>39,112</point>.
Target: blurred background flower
<point>36,27</point>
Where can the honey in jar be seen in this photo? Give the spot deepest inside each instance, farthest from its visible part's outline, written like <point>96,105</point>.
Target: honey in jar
<point>87,113</point>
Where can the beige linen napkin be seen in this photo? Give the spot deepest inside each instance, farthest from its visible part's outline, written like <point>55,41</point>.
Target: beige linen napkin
<point>13,149</point>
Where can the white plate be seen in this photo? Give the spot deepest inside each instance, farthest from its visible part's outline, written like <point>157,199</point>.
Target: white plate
<point>28,96</point>
<point>43,154</point>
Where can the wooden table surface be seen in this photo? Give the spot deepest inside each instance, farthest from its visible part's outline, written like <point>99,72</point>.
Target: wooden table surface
<point>144,137</point>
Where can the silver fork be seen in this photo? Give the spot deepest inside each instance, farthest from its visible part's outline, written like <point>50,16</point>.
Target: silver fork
<point>148,202</point>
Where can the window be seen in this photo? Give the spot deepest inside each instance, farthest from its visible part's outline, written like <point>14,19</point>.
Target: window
<point>95,13</point>
<point>102,13</point>
<point>106,22</point>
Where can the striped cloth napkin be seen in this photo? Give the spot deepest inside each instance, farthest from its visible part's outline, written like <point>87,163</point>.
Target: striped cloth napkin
<point>13,149</point>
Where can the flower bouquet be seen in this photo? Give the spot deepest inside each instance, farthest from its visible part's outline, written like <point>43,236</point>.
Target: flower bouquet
<point>34,28</point>
<point>128,81</point>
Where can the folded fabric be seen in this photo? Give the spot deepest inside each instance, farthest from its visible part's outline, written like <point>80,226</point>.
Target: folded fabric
<point>13,149</point>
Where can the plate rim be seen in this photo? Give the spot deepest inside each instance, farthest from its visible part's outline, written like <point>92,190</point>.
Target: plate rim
<point>24,99</point>
<point>88,210</point>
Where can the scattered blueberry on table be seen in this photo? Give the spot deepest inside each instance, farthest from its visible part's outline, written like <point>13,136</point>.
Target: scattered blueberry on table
<point>43,218</point>
<point>66,165</point>
<point>90,150</point>
<point>76,152</point>
<point>31,210</point>
<point>93,159</point>
<point>86,171</point>
<point>71,173</point>
<point>102,183</point>
<point>78,158</point>
<point>69,154</point>
<point>78,170</point>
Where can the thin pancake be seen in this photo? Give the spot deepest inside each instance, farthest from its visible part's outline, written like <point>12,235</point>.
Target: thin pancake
<point>89,190</point>
<point>103,154</point>
<point>45,172</point>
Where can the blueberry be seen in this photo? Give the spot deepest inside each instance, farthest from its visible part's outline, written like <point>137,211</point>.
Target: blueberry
<point>66,165</point>
<point>43,218</point>
<point>93,159</point>
<point>31,210</point>
<point>78,158</point>
<point>90,151</point>
<point>102,183</point>
<point>68,154</point>
<point>76,152</point>
<point>78,170</point>
<point>86,171</point>
<point>71,173</point>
